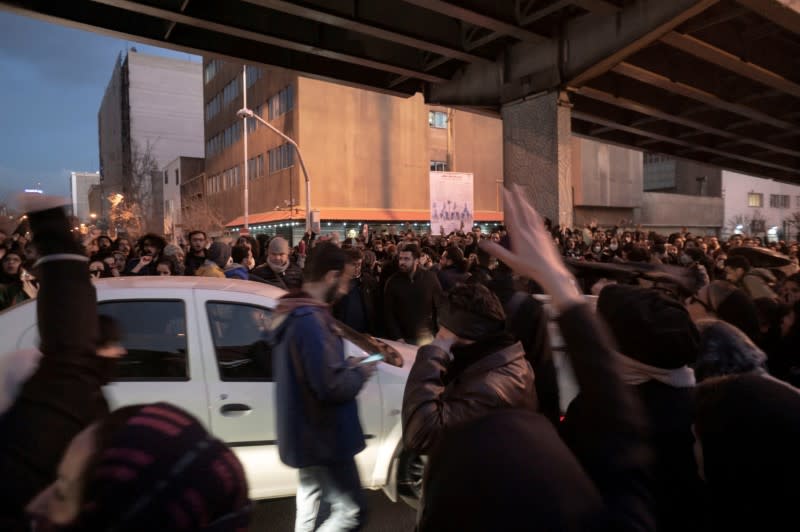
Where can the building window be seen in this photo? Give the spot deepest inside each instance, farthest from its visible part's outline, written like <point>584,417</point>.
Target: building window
<point>280,158</point>
<point>166,177</point>
<point>438,166</point>
<point>437,119</point>
<point>281,103</point>
<point>755,200</point>
<point>214,106</point>
<point>211,69</point>
<point>254,74</point>
<point>255,166</point>
<point>231,91</point>
<point>177,177</point>
<point>779,201</point>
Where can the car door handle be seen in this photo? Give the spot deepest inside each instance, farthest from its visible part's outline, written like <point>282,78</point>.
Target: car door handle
<point>235,410</point>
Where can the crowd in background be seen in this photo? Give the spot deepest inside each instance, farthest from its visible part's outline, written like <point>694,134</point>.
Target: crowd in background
<point>669,366</point>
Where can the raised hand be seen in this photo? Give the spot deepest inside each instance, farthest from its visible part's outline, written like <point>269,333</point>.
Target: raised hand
<point>533,253</point>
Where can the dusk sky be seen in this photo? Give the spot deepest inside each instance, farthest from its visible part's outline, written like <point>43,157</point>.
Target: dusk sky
<point>53,80</point>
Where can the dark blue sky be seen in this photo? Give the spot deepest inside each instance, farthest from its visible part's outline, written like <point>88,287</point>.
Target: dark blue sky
<point>53,80</point>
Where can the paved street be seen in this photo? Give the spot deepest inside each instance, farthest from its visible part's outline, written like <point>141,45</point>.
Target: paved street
<point>385,516</point>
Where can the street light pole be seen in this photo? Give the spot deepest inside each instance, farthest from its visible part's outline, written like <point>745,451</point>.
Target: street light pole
<point>246,230</point>
<point>248,113</point>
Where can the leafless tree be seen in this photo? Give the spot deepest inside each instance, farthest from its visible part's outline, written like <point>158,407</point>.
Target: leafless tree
<point>197,214</point>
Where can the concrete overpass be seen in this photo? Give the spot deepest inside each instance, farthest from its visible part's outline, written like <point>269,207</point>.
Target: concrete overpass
<point>707,80</point>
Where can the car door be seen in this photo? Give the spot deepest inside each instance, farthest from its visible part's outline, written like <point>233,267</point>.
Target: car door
<point>163,361</point>
<point>240,387</point>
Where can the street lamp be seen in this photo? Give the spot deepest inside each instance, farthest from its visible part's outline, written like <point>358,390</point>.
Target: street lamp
<point>248,113</point>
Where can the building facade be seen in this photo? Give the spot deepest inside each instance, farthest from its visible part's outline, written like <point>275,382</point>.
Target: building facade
<point>368,155</point>
<point>151,114</point>
<point>79,185</point>
<point>760,207</point>
<point>167,192</point>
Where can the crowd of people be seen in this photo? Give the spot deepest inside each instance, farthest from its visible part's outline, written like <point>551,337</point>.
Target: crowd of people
<point>687,418</point>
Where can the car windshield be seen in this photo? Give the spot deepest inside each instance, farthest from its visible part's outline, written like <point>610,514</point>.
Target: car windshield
<point>371,345</point>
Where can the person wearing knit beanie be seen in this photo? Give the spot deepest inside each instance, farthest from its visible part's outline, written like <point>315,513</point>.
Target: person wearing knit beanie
<point>147,467</point>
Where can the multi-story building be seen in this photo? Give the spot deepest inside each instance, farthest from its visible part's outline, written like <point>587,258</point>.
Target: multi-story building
<point>368,154</point>
<point>760,207</point>
<point>167,188</point>
<point>151,113</point>
<point>79,185</point>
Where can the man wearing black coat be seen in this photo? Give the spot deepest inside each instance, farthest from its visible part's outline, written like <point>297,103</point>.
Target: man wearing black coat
<point>356,309</point>
<point>410,300</point>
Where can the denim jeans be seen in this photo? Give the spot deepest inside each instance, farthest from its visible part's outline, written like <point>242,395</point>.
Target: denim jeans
<point>337,484</point>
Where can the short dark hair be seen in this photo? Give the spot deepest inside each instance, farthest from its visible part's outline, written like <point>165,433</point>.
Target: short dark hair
<point>197,232</point>
<point>239,253</point>
<point>411,248</point>
<point>476,299</point>
<point>736,262</point>
<point>154,239</point>
<point>324,257</point>
<point>353,255</point>
<point>170,261</point>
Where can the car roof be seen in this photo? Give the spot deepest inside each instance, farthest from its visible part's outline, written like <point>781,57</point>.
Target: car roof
<point>189,283</point>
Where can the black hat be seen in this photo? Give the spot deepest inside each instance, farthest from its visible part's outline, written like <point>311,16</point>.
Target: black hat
<point>648,326</point>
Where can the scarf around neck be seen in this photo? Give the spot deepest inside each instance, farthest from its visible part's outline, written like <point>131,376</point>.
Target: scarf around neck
<point>635,373</point>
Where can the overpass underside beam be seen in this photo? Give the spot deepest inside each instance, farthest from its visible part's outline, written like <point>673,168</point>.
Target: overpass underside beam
<point>586,48</point>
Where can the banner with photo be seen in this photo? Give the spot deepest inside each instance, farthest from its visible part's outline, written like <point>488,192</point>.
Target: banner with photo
<point>452,202</point>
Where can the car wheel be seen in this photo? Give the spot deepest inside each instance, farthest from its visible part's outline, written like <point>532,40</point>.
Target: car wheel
<point>411,468</point>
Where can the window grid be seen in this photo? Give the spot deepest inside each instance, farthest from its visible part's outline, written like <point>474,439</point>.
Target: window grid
<point>281,103</point>
<point>437,119</point>
<point>779,201</point>
<point>755,199</point>
<point>280,158</point>
<point>438,166</point>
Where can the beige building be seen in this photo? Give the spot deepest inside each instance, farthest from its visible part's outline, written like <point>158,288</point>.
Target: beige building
<point>368,154</point>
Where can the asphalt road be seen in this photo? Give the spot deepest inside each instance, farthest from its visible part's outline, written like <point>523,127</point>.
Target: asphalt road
<point>385,516</point>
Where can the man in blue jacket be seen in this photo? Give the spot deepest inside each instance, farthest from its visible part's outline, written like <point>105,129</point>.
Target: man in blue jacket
<point>319,432</point>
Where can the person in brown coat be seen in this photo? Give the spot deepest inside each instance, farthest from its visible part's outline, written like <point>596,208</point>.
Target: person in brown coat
<point>472,367</point>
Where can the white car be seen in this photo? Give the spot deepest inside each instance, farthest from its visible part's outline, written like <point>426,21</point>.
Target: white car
<point>198,343</point>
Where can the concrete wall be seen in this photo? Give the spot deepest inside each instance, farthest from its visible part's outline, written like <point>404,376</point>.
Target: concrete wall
<point>663,173</point>
<point>604,175</point>
<point>665,213</point>
<point>736,188</point>
<point>166,101</point>
<point>363,149</point>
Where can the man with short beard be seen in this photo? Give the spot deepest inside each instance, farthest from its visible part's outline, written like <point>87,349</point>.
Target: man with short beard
<point>278,270</point>
<point>197,252</point>
<point>410,300</point>
<point>318,429</point>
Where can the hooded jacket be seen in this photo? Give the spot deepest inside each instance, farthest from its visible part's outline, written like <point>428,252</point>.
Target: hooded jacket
<point>236,271</point>
<point>315,387</point>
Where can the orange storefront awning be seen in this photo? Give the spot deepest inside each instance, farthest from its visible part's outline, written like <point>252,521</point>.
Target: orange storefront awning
<point>355,215</point>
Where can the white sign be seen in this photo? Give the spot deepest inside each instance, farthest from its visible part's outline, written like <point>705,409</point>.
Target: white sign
<point>452,202</point>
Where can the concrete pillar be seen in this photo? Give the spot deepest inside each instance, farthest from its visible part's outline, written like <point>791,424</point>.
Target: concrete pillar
<point>536,153</point>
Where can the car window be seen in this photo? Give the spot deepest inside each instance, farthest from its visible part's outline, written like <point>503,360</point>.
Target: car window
<point>240,341</point>
<point>154,333</point>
